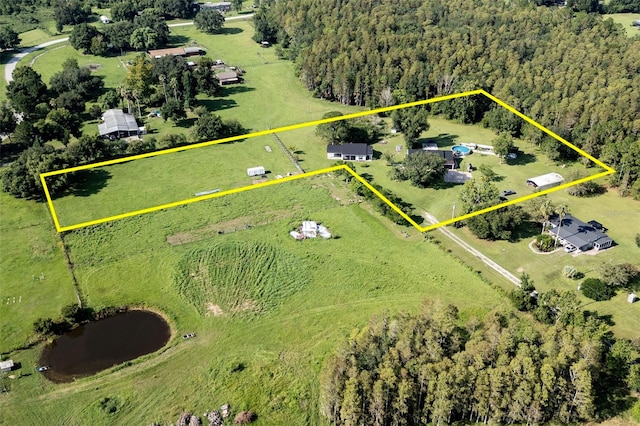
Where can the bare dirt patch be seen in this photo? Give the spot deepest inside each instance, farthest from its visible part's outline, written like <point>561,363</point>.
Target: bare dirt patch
<point>215,310</point>
<point>229,226</point>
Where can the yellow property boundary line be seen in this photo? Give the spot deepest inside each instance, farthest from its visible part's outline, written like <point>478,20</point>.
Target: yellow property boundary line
<point>43,176</point>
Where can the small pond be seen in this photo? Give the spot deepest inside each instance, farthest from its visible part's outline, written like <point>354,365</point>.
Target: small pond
<point>98,345</point>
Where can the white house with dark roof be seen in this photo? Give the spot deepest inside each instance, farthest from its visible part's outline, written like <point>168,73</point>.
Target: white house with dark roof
<point>350,152</point>
<point>118,124</point>
<point>580,235</point>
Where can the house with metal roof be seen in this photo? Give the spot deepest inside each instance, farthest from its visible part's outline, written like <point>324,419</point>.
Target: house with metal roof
<point>574,232</point>
<point>228,77</point>
<point>547,181</point>
<point>350,152</point>
<point>118,124</point>
<point>447,156</point>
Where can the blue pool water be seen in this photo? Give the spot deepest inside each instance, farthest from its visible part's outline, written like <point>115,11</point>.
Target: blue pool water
<point>461,150</point>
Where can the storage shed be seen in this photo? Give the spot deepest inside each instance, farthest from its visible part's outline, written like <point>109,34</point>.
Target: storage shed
<point>545,181</point>
<point>6,366</point>
<point>255,171</point>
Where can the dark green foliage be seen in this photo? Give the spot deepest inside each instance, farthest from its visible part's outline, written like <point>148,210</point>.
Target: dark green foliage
<point>380,206</point>
<point>497,224</point>
<point>144,38</point>
<point>638,240</point>
<point>26,90</point>
<point>81,37</point>
<point>109,405</point>
<point>173,110</point>
<point>175,8</point>
<point>618,275</point>
<point>141,146</point>
<point>422,169</point>
<point>123,11</point>
<point>623,6</point>
<point>334,132</point>
<point>488,173</point>
<point>209,21</point>
<point>427,368</point>
<point>155,22</point>
<point>118,34</point>
<point>109,99</point>
<point>545,242</point>
<point>7,119</point>
<point>502,145</point>
<point>595,289</point>
<point>43,326</point>
<point>511,49</point>
<point>171,141</point>
<point>411,122</point>
<point>8,38</point>
<point>206,82</point>
<point>70,12</point>
<point>210,127</point>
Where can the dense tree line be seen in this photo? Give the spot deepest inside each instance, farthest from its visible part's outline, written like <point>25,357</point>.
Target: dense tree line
<point>574,72</point>
<point>432,368</point>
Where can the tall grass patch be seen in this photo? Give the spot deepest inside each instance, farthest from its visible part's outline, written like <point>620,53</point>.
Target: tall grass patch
<point>238,278</point>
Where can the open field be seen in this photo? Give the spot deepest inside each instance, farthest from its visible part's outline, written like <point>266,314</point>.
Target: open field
<point>368,269</point>
<point>30,251</point>
<point>626,19</point>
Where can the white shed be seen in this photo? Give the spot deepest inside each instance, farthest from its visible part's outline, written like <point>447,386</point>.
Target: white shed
<point>632,298</point>
<point>545,181</point>
<point>255,171</point>
<point>105,19</point>
<point>6,366</point>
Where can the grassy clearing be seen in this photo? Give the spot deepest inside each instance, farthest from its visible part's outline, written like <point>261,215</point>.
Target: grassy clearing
<point>366,270</point>
<point>626,19</point>
<point>238,278</point>
<point>29,250</point>
<point>149,182</point>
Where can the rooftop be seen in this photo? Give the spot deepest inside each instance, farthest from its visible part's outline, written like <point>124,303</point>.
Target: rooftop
<point>116,120</point>
<point>350,149</point>
<point>544,180</point>
<point>576,232</point>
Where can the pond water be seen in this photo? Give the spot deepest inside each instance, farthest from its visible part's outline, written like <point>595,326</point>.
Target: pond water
<point>101,344</point>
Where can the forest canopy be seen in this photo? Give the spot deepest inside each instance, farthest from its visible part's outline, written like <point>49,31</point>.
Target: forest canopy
<point>574,72</point>
<point>433,368</point>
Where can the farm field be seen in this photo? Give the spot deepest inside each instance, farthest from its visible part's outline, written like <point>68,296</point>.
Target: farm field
<point>369,268</point>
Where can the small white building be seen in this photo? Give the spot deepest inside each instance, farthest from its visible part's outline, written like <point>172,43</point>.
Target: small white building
<point>256,171</point>
<point>547,181</point>
<point>632,298</point>
<point>6,366</point>
<point>105,19</point>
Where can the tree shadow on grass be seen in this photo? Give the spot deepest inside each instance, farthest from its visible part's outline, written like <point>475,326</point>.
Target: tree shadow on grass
<point>522,159</point>
<point>88,182</point>
<point>525,231</point>
<point>443,140</point>
<point>231,31</point>
<point>218,104</point>
<point>177,40</point>
<point>233,90</point>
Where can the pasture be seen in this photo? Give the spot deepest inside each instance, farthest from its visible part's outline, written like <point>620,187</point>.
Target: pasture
<point>267,363</point>
<point>625,19</point>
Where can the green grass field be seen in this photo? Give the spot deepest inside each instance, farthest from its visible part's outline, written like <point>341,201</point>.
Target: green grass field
<point>626,19</point>
<point>368,269</point>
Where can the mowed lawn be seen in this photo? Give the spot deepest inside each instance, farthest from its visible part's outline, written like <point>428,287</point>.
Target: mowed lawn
<point>625,19</point>
<point>34,279</point>
<point>134,185</point>
<point>368,270</point>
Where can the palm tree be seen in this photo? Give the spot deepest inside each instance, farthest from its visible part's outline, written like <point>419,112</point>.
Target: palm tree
<point>562,211</point>
<point>546,210</point>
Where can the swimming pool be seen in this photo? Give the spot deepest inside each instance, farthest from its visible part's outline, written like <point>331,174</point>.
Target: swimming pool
<point>460,150</point>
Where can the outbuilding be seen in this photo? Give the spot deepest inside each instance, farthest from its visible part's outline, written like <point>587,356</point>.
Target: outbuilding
<point>547,181</point>
<point>117,124</point>
<point>6,366</point>
<point>228,77</point>
<point>256,171</point>
<point>105,19</point>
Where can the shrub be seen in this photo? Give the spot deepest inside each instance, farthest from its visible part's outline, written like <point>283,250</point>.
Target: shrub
<point>595,289</point>
<point>109,405</point>
<point>570,271</point>
<point>638,240</point>
<point>544,243</point>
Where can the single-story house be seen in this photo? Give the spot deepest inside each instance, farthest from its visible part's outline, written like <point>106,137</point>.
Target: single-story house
<point>6,366</point>
<point>450,163</point>
<point>578,234</point>
<point>223,6</point>
<point>177,51</point>
<point>228,77</point>
<point>545,181</point>
<point>350,152</point>
<point>118,124</point>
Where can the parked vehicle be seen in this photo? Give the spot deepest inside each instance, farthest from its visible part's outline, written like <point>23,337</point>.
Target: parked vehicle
<point>42,368</point>
<point>188,335</point>
<point>508,192</point>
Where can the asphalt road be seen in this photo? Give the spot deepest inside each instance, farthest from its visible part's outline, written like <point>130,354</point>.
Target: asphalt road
<point>13,62</point>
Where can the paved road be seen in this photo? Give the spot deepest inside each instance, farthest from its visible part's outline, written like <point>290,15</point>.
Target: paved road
<point>13,62</point>
<point>493,265</point>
